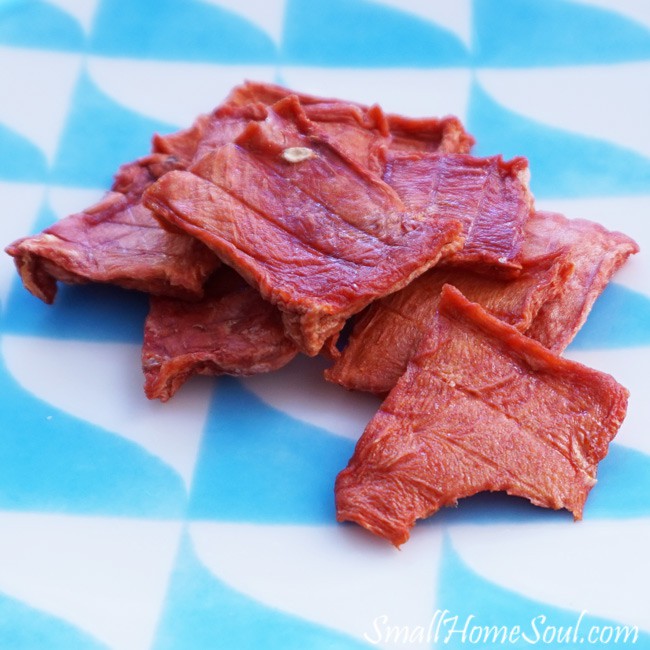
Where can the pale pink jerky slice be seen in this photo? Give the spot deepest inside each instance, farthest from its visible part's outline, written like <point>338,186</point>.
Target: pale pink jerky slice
<point>231,330</point>
<point>388,333</point>
<point>481,407</point>
<point>319,236</point>
<point>596,254</point>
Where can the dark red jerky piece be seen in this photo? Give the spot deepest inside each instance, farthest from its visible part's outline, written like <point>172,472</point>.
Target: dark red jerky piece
<point>596,254</point>
<point>320,237</point>
<point>251,92</point>
<point>492,193</point>
<point>388,333</point>
<point>231,330</point>
<point>117,241</point>
<point>480,408</point>
<point>211,130</point>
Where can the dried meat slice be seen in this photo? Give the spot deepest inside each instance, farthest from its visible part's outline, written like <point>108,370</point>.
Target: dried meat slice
<point>369,137</point>
<point>231,330</point>
<point>361,134</point>
<point>481,407</point>
<point>182,145</point>
<point>225,125</point>
<point>493,228</point>
<point>428,135</point>
<point>361,131</point>
<point>211,130</point>
<point>319,236</point>
<point>65,253</point>
<point>117,241</point>
<point>388,333</point>
<point>596,254</point>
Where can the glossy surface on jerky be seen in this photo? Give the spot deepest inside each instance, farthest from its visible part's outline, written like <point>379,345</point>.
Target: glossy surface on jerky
<point>231,330</point>
<point>489,194</point>
<point>388,333</point>
<point>481,407</point>
<point>596,254</point>
<point>321,237</point>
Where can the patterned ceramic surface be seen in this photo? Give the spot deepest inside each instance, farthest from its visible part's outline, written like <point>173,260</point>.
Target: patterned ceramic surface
<point>208,522</point>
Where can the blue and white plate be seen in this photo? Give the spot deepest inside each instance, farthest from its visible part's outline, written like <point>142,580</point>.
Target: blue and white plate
<point>208,522</point>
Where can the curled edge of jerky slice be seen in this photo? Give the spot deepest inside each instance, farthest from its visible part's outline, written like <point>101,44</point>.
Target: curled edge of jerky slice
<point>116,241</point>
<point>481,407</point>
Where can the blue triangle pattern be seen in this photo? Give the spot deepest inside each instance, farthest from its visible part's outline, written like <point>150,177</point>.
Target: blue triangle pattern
<point>623,488</point>
<point>89,312</point>
<point>365,34</point>
<point>525,33</point>
<point>620,318</point>
<point>202,612</point>
<point>21,160</point>
<point>55,462</point>
<point>100,135</point>
<point>178,31</point>
<point>259,464</point>
<point>563,164</point>
<point>25,628</point>
<point>476,601</point>
<point>45,218</point>
<point>35,24</point>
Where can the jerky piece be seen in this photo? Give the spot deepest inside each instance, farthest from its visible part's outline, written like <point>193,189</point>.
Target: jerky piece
<point>182,145</point>
<point>428,135</point>
<point>388,333</point>
<point>46,258</point>
<point>230,331</point>
<point>493,226</point>
<point>368,135</point>
<point>481,407</point>
<point>596,254</point>
<point>251,92</point>
<point>118,241</point>
<point>363,131</point>
<point>225,125</point>
<point>360,134</point>
<point>318,236</point>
